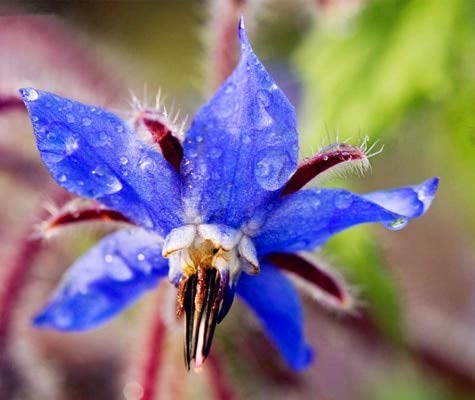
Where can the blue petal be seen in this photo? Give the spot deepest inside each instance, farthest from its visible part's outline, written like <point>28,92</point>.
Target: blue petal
<point>92,153</point>
<point>277,305</point>
<point>308,218</point>
<point>108,278</point>
<point>242,146</point>
<point>410,202</point>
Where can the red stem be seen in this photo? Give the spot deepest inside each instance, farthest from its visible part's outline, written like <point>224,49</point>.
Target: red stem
<point>170,145</point>
<point>327,158</point>
<point>20,265</point>
<point>11,103</point>
<point>153,355</point>
<point>309,272</point>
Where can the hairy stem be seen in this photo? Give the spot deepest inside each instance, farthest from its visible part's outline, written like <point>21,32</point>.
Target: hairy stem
<point>223,42</point>
<point>19,267</point>
<point>153,353</point>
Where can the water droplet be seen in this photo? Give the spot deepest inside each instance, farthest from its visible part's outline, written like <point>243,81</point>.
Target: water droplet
<point>215,152</point>
<point>100,139</point>
<point>397,224</point>
<point>230,88</point>
<point>70,118</point>
<point>264,97</point>
<point>29,94</point>
<point>346,156</point>
<point>124,160</point>
<point>34,118</point>
<point>70,145</point>
<point>119,129</point>
<point>246,139</point>
<point>140,257</point>
<point>264,120</point>
<point>51,136</point>
<point>86,121</point>
<point>343,201</point>
<point>273,168</point>
<point>106,182</point>
<point>146,162</point>
<point>202,170</point>
<point>62,178</point>
<point>119,271</point>
<point>199,139</point>
<point>62,317</point>
<point>192,152</point>
<point>325,158</point>
<point>108,258</point>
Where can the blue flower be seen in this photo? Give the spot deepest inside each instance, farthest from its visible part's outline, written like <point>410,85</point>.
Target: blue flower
<point>219,214</point>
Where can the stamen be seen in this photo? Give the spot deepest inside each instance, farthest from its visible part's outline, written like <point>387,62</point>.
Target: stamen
<point>162,133</point>
<point>337,154</point>
<point>200,297</point>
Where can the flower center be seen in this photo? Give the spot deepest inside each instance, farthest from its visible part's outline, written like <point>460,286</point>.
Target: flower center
<point>205,263</point>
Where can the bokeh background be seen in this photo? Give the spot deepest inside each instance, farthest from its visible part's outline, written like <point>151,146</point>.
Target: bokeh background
<point>400,71</point>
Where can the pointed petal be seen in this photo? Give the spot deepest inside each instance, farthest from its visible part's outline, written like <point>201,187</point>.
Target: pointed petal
<point>92,153</point>
<point>410,202</point>
<point>276,303</point>
<point>104,281</point>
<point>242,146</point>
<point>306,219</point>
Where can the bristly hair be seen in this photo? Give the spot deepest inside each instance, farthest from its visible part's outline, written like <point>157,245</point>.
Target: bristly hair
<point>352,166</point>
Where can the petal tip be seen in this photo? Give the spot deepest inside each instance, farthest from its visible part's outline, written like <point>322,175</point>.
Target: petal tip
<point>41,320</point>
<point>426,192</point>
<point>306,359</point>
<point>54,317</point>
<point>29,94</point>
<point>245,45</point>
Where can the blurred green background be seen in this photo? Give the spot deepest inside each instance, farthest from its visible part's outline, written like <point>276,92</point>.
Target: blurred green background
<point>400,71</point>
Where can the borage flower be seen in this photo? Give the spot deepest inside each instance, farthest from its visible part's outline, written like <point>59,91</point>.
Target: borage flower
<point>220,214</point>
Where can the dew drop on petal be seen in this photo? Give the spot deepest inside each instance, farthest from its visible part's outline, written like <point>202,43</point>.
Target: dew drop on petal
<point>246,139</point>
<point>230,88</point>
<point>272,169</point>
<point>29,94</point>
<point>215,152</point>
<point>264,97</point>
<point>343,201</point>
<point>63,318</point>
<point>124,160</point>
<point>101,139</point>
<point>397,224</point>
<point>192,152</point>
<point>119,271</point>
<point>86,121</point>
<point>62,178</point>
<point>108,183</point>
